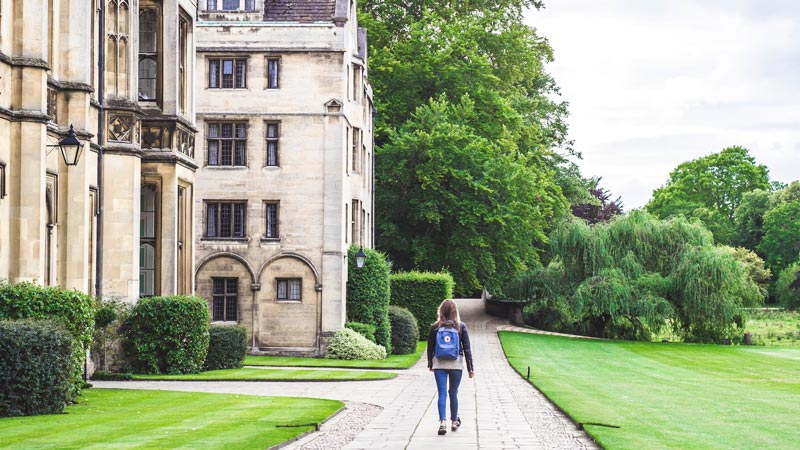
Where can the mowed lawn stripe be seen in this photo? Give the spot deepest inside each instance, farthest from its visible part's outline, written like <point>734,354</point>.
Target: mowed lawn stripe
<point>120,419</point>
<point>391,362</point>
<point>670,396</point>
<point>256,374</point>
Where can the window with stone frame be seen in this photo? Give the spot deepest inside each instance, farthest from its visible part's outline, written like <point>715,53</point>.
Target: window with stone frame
<point>273,73</point>
<point>147,240</point>
<point>183,61</point>
<point>225,220</point>
<point>273,134</point>
<point>271,213</point>
<point>224,299</point>
<point>227,73</point>
<point>149,54</point>
<point>227,143</point>
<point>355,149</point>
<point>289,289</point>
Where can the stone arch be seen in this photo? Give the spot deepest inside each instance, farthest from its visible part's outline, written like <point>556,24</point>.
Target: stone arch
<point>213,256</point>
<point>306,261</point>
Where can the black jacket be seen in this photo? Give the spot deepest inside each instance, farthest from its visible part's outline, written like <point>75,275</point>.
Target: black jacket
<point>465,345</point>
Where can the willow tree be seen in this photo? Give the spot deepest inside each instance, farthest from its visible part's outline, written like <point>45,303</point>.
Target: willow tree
<point>632,276</point>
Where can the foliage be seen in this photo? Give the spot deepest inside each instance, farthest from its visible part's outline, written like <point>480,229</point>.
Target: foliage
<point>756,271</point>
<point>227,347</point>
<point>347,344</point>
<point>710,188</point>
<point>109,317</point>
<point>365,329</point>
<point>368,294</point>
<point>634,275</point>
<point>167,334</point>
<point>774,327</point>
<point>421,293</point>
<point>73,309</point>
<point>749,218</point>
<point>472,159</point>
<point>35,367</point>
<point>781,242</point>
<point>405,332</point>
<point>649,391</point>
<point>787,287</point>
<point>599,208</point>
<point>120,418</point>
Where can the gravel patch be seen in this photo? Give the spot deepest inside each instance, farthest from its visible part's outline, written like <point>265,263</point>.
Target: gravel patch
<point>340,430</point>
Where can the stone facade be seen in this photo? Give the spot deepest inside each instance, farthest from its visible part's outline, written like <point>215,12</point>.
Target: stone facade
<point>284,144</point>
<point>52,74</point>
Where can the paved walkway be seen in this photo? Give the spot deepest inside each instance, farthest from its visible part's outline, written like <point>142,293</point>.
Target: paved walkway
<point>499,409</point>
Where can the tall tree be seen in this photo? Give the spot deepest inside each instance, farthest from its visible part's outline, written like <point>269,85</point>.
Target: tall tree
<point>477,65</point>
<point>711,188</point>
<point>453,199</point>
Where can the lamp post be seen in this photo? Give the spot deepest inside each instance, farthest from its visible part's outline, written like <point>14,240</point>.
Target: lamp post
<point>71,148</point>
<point>361,257</point>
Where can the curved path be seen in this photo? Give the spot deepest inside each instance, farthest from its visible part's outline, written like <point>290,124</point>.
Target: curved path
<point>498,408</point>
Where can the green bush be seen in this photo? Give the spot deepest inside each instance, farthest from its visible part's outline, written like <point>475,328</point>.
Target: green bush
<point>72,309</point>
<point>788,296</point>
<point>227,347</point>
<point>421,293</point>
<point>108,319</point>
<point>405,332</point>
<point>347,344</point>
<point>364,329</point>
<point>167,335</point>
<point>111,376</point>
<point>35,367</point>
<point>368,294</point>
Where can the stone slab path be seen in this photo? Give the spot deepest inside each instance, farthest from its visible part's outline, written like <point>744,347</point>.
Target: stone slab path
<point>499,409</point>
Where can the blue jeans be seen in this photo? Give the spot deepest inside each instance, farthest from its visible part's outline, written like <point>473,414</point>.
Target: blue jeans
<point>441,384</point>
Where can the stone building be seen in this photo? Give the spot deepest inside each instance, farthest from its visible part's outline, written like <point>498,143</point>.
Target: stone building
<point>126,207</point>
<point>284,118</point>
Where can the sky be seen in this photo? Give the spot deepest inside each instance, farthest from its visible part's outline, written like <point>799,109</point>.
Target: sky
<point>654,83</point>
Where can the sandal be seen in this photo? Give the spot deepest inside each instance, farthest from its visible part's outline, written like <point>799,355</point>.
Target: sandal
<point>455,424</point>
<point>442,427</point>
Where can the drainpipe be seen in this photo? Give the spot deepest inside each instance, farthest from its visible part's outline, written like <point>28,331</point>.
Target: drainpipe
<point>101,77</point>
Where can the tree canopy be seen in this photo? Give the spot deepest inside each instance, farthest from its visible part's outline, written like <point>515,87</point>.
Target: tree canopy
<point>710,188</point>
<point>471,146</point>
<point>599,208</point>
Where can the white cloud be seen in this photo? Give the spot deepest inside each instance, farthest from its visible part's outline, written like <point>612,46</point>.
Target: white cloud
<point>654,83</point>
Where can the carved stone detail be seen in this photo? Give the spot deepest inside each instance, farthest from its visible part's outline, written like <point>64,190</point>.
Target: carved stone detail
<point>120,128</point>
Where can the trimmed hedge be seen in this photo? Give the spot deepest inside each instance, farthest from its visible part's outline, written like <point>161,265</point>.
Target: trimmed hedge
<point>364,329</point>
<point>167,335</point>
<point>405,332</point>
<point>35,367</point>
<point>421,293</point>
<point>347,344</point>
<point>368,294</point>
<point>73,309</point>
<point>227,347</point>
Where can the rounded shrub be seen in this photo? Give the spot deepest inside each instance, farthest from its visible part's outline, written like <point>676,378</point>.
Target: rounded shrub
<point>787,287</point>
<point>364,329</point>
<point>405,333</point>
<point>73,309</point>
<point>347,344</point>
<point>167,335</point>
<point>35,367</point>
<point>368,294</point>
<point>227,346</point>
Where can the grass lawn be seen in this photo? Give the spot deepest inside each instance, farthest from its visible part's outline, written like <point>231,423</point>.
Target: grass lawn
<point>253,374</point>
<point>391,362</point>
<point>776,328</point>
<point>667,396</point>
<point>128,419</point>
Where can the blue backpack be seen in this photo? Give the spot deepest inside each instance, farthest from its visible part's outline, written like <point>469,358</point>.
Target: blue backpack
<point>448,342</point>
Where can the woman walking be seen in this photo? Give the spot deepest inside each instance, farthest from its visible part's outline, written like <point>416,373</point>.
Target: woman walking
<point>448,349</point>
